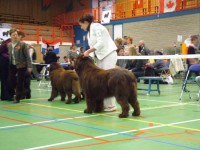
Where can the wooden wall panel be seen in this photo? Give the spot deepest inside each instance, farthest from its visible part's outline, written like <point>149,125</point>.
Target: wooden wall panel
<point>34,8</point>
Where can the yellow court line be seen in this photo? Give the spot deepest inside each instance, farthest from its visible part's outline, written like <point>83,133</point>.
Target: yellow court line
<point>153,107</point>
<point>137,120</point>
<point>157,123</point>
<point>55,107</point>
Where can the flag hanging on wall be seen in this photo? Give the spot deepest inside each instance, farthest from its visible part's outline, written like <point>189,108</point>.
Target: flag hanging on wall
<point>43,47</point>
<point>169,5</point>
<point>56,49</point>
<point>139,4</point>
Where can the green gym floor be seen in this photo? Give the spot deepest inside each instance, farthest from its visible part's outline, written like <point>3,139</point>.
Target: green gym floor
<point>165,123</point>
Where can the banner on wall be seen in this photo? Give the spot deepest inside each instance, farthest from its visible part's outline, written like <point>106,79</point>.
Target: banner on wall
<point>4,33</point>
<point>169,5</point>
<point>106,16</point>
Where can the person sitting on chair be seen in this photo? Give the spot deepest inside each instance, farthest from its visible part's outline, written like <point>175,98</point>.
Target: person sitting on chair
<point>157,67</point>
<point>191,61</point>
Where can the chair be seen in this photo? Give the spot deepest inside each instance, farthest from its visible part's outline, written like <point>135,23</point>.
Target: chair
<point>198,83</point>
<point>45,76</point>
<point>194,68</point>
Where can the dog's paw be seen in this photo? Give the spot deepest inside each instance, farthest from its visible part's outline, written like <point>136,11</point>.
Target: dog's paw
<point>123,115</point>
<point>98,110</point>
<point>87,111</point>
<point>76,99</point>
<point>68,102</point>
<point>136,113</point>
<point>50,100</point>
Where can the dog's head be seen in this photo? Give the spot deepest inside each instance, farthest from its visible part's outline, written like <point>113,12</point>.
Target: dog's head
<point>54,66</point>
<point>82,61</point>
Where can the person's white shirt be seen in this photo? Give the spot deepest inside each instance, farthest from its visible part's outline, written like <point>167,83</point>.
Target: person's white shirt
<point>99,38</point>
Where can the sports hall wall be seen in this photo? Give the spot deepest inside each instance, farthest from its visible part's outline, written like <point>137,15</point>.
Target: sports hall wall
<point>159,31</point>
<point>42,10</point>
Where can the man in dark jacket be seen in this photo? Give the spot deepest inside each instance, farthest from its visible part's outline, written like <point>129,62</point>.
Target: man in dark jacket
<point>50,56</point>
<point>4,67</point>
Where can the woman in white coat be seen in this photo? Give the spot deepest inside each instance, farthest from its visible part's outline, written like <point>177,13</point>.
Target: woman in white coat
<point>102,47</point>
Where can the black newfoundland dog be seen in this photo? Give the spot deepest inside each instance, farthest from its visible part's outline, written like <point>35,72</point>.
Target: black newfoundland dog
<point>98,84</point>
<point>64,82</point>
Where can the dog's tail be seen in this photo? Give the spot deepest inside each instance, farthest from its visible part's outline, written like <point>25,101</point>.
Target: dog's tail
<point>76,88</point>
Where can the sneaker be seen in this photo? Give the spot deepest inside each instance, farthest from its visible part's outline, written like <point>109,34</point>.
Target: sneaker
<point>110,109</point>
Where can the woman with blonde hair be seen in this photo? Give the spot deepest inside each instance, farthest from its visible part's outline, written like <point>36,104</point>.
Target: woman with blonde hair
<point>129,45</point>
<point>131,63</point>
<point>118,42</point>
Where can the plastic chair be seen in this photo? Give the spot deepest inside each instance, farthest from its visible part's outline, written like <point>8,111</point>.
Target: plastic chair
<point>198,83</point>
<point>45,76</point>
<point>194,68</point>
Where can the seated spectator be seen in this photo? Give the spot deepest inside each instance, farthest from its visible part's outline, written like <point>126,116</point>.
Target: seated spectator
<point>157,67</point>
<point>119,42</point>
<point>82,50</point>
<point>121,62</point>
<point>136,66</point>
<point>65,59</point>
<point>192,49</point>
<point>124,41</point>
<point>131,52</point>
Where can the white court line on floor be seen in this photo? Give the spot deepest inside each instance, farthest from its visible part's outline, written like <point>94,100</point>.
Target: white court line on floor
<point>190,102</point>
<point>107,135</point>
<point>47,121</point>
<point>57,120</point>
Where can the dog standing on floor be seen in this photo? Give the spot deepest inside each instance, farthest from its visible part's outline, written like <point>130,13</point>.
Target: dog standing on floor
<point>64,82</point>
<point>98,84</point>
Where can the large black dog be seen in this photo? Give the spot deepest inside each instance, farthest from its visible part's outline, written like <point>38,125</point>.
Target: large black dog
<point>98,84</point>
<point>64,82</point>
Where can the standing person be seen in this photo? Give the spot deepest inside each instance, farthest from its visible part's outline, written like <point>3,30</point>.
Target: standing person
<point>102,47</point>
<point>27,78</point>
<point>50,56</point>
<point>129,44</point>
<point>20,62</point>
<point>4,67</point>
<point>73,54</point>
<point>33,56</point>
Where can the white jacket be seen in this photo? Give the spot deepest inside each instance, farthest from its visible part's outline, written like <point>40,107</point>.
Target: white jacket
<point>99,38</point>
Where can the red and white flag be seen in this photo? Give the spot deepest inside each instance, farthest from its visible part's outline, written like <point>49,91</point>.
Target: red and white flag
<point>139,4</point>
<point>169,5</point>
